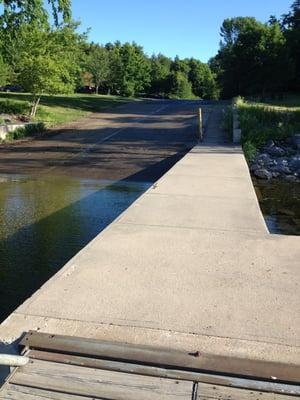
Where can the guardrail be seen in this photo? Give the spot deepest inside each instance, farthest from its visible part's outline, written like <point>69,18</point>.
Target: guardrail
<point>13,360</point>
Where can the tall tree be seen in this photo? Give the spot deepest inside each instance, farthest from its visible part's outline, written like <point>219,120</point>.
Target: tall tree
<point>4,72</point>
<point>202,80</point>
<point>291,28</point>
<point>179,86</point>
<point>48,62</point>
<point>97,64</point>
<point>135,69</point>
<point>16,12</point>
<point>251,57</point>
<point>160,70</point>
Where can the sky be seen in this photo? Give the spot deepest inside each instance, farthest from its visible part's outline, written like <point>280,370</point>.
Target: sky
<point>187,28</point>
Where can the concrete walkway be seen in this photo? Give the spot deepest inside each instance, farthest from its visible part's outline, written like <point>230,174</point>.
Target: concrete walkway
<point>190,265</point>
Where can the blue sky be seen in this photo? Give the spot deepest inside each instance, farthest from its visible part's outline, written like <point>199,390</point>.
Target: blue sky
<point>188,28</point>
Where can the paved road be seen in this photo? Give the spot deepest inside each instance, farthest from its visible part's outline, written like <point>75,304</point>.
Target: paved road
<point>138,141</point>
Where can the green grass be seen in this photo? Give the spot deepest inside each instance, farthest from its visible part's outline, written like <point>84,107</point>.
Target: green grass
<point>288,101</point>
<point>263,121</point>
<point>227,122</point>
<point>56,110</point>
<point>28,130</point>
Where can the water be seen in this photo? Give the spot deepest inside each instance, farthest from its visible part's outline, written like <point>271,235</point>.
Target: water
<point>45,221</point>
<point>280,204</point>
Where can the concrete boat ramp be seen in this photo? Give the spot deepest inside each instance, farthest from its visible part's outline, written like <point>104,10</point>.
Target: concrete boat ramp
<point>190,267</point>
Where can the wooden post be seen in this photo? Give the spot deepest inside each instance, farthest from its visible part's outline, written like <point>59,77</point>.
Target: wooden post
<point>200,127</point>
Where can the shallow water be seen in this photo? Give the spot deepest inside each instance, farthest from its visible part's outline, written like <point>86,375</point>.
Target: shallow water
<point>280,204</point>
<point>45,221</point>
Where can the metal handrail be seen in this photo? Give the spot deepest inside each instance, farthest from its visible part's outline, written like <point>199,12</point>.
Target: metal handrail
<point>13,360</point>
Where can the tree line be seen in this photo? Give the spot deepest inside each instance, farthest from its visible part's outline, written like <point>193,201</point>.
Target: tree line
<point>45,54</point>
<point>258,58</point>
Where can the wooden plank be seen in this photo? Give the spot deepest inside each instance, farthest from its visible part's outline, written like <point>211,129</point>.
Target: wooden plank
<point>215,392</point>
<point>164,373</point>
<point>15,392</point>
<point>163,356</point>
<point>97,383</point>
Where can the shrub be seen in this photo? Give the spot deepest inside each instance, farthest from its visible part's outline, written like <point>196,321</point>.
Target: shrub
<point>26,131</point>
<point>250,150</point>
<point>14,107</point>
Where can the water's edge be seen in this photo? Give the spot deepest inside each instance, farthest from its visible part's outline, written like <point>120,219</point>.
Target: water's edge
<point>44,222</point>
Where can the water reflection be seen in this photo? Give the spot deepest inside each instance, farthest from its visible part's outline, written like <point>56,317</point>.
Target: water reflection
<point>280,204</point>
<point>44,222</point>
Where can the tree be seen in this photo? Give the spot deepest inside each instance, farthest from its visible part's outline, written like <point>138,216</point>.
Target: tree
<point>251,58</point>
<point>4,72</point>
<point>17,12</point>
<point>179,86</point>
<point>114,80</point>
<point>160,70</point>
<point>202,80</point>
<point>291,29</point>
<point>179,65</point>
<point>97,64</point>
<point>135,69</point>
<point>48,61</point>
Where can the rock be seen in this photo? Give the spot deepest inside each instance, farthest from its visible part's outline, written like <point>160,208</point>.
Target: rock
<point>296,140</point>
<point>295,163</point>
<point>254,167</point>
<point>291,178</point>
<point>275,174</point>
<point>270,143</point>
<point>282,169</point>
<point>263,173</point>
<point>263,159</point>
<point>276,151</point>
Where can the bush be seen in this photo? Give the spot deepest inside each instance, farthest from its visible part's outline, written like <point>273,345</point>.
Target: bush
<point>14,107</point>
<point>250,150</point>
<point>26,131</point>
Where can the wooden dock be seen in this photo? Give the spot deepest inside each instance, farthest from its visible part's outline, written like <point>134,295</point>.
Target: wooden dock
<point>72,368</point>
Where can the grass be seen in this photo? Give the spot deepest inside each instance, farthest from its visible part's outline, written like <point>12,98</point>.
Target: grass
<point>227,121</point>
<point>276,120</point>
<point>287,101</point>
<point>56,110</point>
<point>28,130</point>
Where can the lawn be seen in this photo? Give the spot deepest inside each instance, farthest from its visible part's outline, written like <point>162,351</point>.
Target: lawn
<point>56,110</point>
<point>273,119</point>
<point>288,101</point>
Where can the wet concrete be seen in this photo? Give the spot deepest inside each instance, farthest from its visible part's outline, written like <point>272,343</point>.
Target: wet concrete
<point>137,141</point>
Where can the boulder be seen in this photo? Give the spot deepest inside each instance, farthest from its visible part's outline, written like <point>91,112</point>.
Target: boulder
<point>291,178</point>
<point>263,159</point>
<point>263,173</point>
<point>270,143</point>
<point>275,174</point>
<point>276,151</point>
<point>282,169</point>
<point>296,140</point>
<point>295,163</point>
<point>254,167</point>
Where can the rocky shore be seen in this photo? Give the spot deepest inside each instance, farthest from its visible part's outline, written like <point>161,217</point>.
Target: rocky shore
<point>278,160</point>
